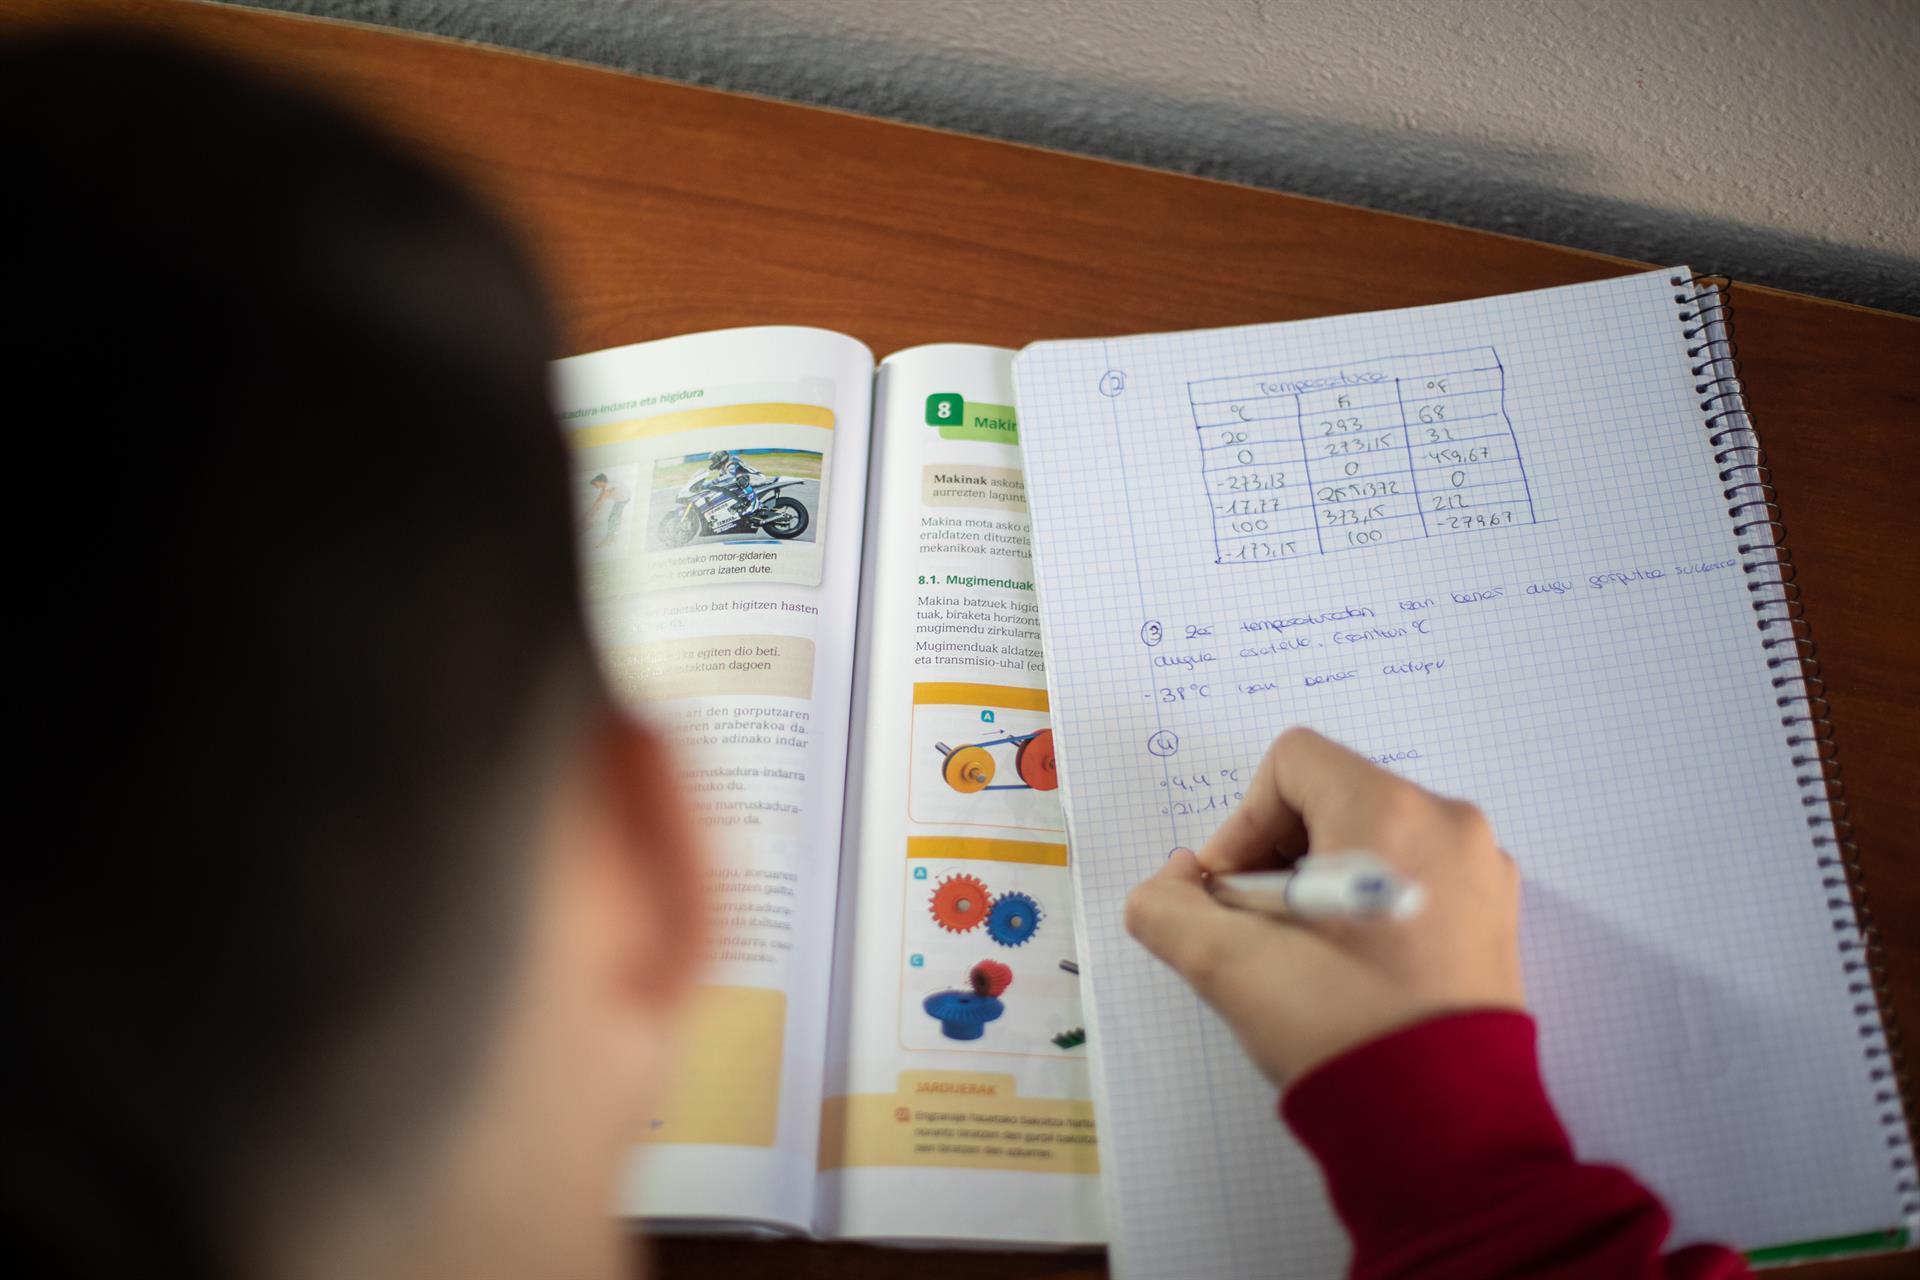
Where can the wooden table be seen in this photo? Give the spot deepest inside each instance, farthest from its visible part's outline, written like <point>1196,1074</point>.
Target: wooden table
<point>660,209</point>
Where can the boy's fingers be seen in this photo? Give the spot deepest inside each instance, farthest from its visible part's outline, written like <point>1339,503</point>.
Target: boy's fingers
<point>1304,783</point>
<point>1166,909</point>
<point>1174,917</point>
<point>1262,832</point>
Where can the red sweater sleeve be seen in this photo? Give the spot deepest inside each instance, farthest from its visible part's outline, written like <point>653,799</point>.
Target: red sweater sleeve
<point>1444,1158</point>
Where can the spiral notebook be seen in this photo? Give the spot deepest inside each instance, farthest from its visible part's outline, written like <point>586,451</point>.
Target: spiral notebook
<point>1519,549</point>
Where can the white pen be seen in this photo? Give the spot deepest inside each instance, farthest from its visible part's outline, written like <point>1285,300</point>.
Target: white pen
<point>1324,886</point>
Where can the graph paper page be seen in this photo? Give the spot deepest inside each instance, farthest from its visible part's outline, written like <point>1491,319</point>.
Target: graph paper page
<point>1485,545</point>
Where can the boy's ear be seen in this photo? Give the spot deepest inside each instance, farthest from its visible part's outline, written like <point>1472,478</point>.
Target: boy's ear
<point>658,852</point>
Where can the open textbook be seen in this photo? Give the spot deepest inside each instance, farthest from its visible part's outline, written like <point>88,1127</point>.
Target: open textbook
<point>815,576</point>
<point>1520,549</point>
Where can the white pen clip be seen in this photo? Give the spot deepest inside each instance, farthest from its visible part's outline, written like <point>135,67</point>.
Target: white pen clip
<point>1324,886</point>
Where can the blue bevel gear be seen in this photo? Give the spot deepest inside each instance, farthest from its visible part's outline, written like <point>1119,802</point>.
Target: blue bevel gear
<point>1012,919</point>
<point>963,1015</point>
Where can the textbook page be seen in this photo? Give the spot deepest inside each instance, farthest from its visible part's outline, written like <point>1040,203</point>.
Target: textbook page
<point>958,1102</point>
<point>720,480</point>
<point>1486,545</point>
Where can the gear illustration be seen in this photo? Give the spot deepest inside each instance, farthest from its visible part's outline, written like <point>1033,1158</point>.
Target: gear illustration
<point>963,1015</point>
<point>990,978</point>
<point>969,767</point>
<point>1012,919</point>
<point>959,904</point>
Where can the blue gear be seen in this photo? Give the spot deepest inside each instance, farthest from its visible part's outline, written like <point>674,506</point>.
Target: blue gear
<point>1012,919</point>
<point>963,1015</point>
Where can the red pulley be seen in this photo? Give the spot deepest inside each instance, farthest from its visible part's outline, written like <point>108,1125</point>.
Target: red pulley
<point>1034,762</point>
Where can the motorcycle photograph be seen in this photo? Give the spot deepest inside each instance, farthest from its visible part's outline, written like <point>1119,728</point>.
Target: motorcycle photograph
<point>710,504</point>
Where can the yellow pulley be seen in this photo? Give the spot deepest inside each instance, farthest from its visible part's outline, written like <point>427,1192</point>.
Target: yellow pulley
<point>968,769</point>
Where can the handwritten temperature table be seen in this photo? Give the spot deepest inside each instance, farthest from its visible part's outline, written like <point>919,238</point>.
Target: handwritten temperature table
<point>1358,455</point>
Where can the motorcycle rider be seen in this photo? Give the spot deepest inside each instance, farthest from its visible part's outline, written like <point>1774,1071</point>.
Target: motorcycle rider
<point>736,477</point>
<point>729,496</point>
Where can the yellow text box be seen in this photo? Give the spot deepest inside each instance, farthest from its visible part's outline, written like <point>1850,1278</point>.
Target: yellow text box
<point>979,695</point>
<point>725,1089</point>
<point>769,414</point>
<point>712,666</point>
<point>1039,853</point>
<point>958,1120</point>
<point>987,488</point>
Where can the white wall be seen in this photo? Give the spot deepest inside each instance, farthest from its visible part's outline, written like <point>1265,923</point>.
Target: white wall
<point>1777,140</point>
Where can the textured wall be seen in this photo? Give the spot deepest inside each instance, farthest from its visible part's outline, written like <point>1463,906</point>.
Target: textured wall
<point>1776,140</point>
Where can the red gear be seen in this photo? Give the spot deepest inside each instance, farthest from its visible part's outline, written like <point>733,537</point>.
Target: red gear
<point>959,904</point>
<point>990,978</point>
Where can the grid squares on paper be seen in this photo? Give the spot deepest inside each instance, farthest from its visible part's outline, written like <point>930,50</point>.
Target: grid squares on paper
<point>1592,677</point>
<point>1340,451</point>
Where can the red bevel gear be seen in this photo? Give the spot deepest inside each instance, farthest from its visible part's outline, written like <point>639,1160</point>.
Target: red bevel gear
<point>989,978</point>
<point>959,904</point>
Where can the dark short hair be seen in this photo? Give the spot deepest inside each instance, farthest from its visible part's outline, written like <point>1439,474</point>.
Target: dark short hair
<point>600,478</point>
<point>297,709</point>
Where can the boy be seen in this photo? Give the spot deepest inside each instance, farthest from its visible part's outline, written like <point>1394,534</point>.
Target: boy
<point>357,952</point>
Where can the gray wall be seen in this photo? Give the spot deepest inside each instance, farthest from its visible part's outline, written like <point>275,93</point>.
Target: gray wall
<point>1776,141</point>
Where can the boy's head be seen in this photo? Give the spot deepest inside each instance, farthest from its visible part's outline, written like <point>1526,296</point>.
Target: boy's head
<point>346,911</point>
<point>600,480</point>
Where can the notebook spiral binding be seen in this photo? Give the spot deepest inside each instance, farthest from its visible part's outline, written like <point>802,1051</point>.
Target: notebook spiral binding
<point>1800,693</point>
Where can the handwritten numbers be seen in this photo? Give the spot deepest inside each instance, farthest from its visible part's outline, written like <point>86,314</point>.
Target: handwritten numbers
<point>1112,383</point>
<point>1163,743</point>
<point>1257,549</point>
<point>1152,634</point>
<point>1480,520</point>
<point>1358,455</point>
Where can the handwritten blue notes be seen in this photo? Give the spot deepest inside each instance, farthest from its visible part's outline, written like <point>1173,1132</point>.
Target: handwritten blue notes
<point>1541,601</point>
<point>1397,652</point>
<point>1358,454</point>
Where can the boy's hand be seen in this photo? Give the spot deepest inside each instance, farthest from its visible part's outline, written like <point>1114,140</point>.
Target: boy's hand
<point>1297,994</point>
